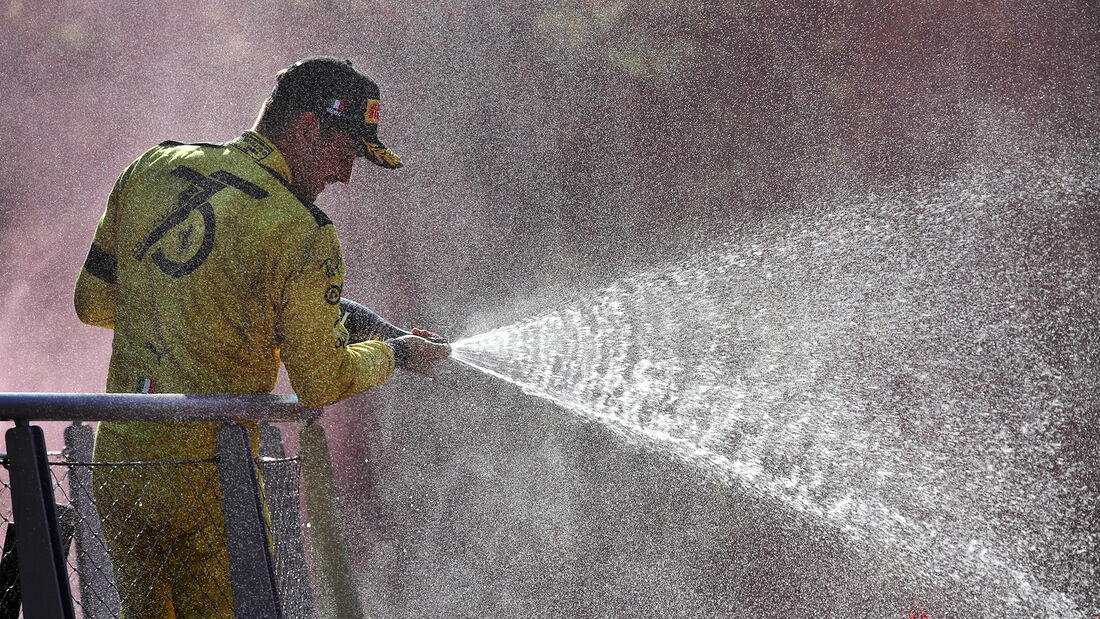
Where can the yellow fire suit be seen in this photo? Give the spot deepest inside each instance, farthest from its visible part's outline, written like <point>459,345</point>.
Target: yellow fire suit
<point>211,272</point>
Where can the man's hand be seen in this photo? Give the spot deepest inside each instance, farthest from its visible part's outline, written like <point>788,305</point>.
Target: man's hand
<point>431,337</point>
<point>419,355</point>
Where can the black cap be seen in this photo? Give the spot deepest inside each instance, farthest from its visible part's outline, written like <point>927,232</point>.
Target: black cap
<point>335,90</point>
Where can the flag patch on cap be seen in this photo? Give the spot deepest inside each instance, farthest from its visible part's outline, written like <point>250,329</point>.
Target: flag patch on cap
<point>374,108</point>
<point>337,107</point>
<point>146,385</point>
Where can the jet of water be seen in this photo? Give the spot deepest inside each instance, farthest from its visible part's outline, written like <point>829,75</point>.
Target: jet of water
<point>910,369</point>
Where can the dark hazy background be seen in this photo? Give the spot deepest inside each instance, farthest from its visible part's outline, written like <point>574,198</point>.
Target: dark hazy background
<point>550,147</point>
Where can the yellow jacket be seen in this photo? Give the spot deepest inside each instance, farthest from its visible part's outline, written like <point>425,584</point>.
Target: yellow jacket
<point>211,271</point>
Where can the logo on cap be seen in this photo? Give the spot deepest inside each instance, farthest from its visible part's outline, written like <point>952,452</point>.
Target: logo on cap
<point>336,107</point>
<point>374,108</point>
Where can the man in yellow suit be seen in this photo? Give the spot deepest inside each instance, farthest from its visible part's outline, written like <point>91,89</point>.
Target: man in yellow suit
<point>213,266</point>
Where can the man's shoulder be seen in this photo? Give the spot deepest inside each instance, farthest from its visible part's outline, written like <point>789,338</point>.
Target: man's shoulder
<point>173,143</point>
<point>168,152</point>
<point>172,148</point>
<point>209,165</point>
<point>214,158</point>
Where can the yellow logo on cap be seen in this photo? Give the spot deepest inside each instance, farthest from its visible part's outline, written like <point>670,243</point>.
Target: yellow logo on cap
<point>374,107</point>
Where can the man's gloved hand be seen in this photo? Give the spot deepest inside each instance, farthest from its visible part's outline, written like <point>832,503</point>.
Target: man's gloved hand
<point>417,354</point>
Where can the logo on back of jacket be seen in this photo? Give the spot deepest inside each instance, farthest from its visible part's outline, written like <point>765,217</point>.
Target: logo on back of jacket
<point>183,250</point>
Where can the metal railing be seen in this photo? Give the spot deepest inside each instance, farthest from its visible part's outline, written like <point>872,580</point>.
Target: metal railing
<point>269,576</point>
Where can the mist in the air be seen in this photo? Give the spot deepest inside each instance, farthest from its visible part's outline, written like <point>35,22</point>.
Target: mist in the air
<point>846,239</point>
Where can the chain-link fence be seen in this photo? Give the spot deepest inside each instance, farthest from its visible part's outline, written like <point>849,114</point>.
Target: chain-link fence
<point>166,518</point>
<point>282,495</point>
<point>9,573</point>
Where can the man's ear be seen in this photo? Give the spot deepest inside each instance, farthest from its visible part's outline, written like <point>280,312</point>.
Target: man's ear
<point>307,128</point>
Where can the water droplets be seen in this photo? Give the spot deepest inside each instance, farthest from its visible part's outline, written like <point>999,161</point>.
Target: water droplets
<point>885,368</point>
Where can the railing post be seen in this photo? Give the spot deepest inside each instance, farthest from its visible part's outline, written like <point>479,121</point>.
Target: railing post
<point>98,596</point>
<point>251,568</point>
<point>281,490</point>
<point>337,596</point>
<point>42,570</point>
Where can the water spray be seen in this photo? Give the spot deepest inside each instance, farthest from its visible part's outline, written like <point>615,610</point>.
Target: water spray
<point>884,368</point>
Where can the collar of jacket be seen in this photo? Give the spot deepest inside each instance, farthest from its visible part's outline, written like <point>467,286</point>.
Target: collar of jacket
<point>262,151</point>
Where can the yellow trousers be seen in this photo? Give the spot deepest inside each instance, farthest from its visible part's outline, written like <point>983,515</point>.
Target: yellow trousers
<point>163,522</point>
<point>165,534</point>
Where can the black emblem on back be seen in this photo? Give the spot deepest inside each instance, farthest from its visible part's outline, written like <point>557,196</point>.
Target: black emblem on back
<point>195,197</point>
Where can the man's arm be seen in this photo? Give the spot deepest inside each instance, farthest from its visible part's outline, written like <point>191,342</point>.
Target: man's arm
<point>322,364</point>
<point>363,324</point>
<point>96,294</point>
<point>323,368</point>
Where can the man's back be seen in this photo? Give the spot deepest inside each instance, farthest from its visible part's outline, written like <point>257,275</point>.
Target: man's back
<point>204,240</point>
<point>213,261</point>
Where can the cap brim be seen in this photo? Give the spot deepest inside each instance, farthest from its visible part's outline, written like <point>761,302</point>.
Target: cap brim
<point>379,154</point>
